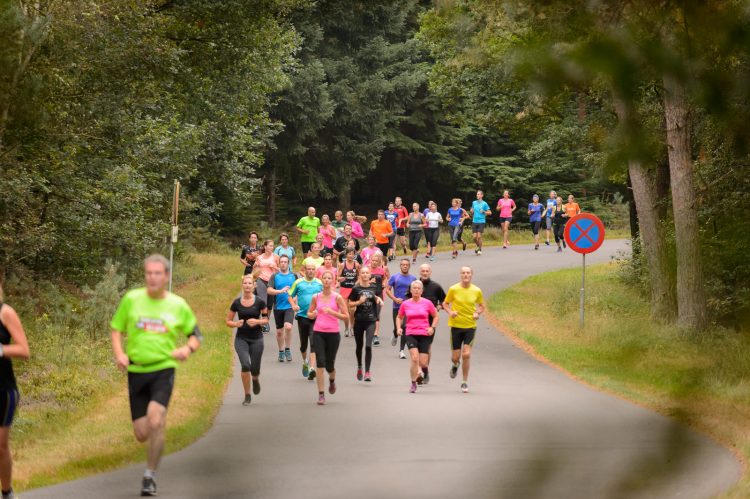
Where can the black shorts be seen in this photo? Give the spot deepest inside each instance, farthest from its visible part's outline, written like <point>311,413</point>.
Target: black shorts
<point>506,219</point>
<point>477,228</point>
<point>282,317</point>
<point>461,336</point>
<point>146,387</point>
<point>419,341</point>
<point>384,247</point>
<point>306,248</point>
<point>8,405</point>
<point>400,231</point>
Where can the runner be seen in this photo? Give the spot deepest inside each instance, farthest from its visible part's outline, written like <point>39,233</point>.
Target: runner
<point>308,227</point>
<point>402,216</point>
<point>351,245</point>
<point>479,211</point>
<point>369,250</point>
<point>252,313</point>
<point>548,214</point>
<point>433,292</point>
<point>425,228</point>
<point>13,345</point>
<point>558,223</point>
<point>396,289</point>
<point>535,218</point>
<point>456,216</point>
<point>571,207</point>
<point>348,271</point>
<point>356,223</point>
<point>328,265</point>
<point>152,318</point>
<point>278,287</point>
<point>433,220</point>
<point>338,223</point>
<point>319,242</point>
<point>341,243</point>
<point>392,216</point>
<point>380,276</point>
<point>382,229</point>
<point>416,223</point>
<point>314,257</point>
<point>266,264</point>
<point>300,297</point>
<point>329,234</point>
<point>249,252</point>
<point>327,309</point>
<point>366,302</point>
<point>464,304</point>
<point>506,206</point>
<point>421,320</point>
<point>283,249</point>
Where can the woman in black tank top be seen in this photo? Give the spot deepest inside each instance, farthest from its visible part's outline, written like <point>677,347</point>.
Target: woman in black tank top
<point>13,344</point>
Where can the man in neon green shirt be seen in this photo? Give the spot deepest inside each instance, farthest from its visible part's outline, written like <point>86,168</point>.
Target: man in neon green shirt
<point>308,227</point>
<point>153,319</point>
<point>464,304</point>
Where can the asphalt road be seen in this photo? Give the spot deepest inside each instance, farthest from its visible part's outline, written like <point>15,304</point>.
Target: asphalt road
<point>524,431</point>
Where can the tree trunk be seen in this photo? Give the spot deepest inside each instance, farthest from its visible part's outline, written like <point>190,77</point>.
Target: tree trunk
<point>632,211</point>
<point>653,243</point>
<point>272,196</point>
<point>345,197</point>
<point>691,299</point>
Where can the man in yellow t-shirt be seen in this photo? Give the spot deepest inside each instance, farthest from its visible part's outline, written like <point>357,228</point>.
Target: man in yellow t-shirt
<point>464,304</point>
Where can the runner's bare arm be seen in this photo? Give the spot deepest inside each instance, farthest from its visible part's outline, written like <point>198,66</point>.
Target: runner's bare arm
<point>230,322</point>
<point>20,347</point>
<point>121,359</point>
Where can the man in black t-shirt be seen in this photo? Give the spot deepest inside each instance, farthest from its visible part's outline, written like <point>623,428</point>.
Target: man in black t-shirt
<point>249,252</point>
<point>340,245</point>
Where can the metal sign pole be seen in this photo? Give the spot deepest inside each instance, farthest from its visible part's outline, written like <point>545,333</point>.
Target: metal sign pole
<point>173,238</point>
<point>583,286</point>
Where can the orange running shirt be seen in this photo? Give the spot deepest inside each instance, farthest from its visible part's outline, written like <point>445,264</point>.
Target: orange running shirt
<point>381,229</point>
<point>572,209</point>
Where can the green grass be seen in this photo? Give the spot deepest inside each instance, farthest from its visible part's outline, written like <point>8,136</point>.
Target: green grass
<point>57,440</point>
<point>701,379</point>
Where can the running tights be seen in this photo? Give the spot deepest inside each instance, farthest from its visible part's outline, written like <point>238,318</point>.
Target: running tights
<point>559,230</point>
<point>363,334</point>
<point>249,352</point>
<point>414,237</point>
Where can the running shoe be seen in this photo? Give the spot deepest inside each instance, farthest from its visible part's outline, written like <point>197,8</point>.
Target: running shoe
<point>479,252</point>
<point>464,387</point>
<point>401,355</point>
<point>536,246</point>
<point>426,378</point>
<point>505,246</point>
<point>321,399</point>
<point>305,370</point>
<point>247,400</point>
<point>413,388</point>
<point>413,260</point>
<point>464,245</point>
<point>559,249</point>
<point>281,356</point>
<point>376,341</point>
<point>476,251</point>
<point>359,374</point>
<point>564,245</point>
<point>419,378</point>
<point>546,242</point>
<point>9,495</point>
<point>454,370</point>
<point>454,254</point>
<point>432,258</point>
<point>256,386</point>
<point>148,487</point>
<point>288,355</point>
<point>346,332</point>
<point>311,376</point>
<point>332,387</point>
<point>394,340</point>
<point>368,376</point>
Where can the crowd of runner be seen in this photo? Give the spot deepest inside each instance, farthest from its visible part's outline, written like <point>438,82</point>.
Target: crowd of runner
<point>341,280</point>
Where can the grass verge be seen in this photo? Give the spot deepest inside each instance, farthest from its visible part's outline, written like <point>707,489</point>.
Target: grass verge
<point>702,380</point>
<point>53,445</point>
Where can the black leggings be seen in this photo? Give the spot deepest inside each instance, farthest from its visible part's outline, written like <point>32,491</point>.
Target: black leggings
<point>535,227</point>
<point>305,327</point>
<point>326,346</point>
<point>559,230</point>
<point>363,334</point>
<point>249,352</point>
<point>432,235</point>
<point>403,326</point>
<point>414,237</point>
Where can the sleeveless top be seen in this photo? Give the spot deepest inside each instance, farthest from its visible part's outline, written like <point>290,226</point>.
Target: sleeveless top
<point>7,378</point>
<point>415,221</point>
<point>326,323</point>
<point>378,274</point>
<point>349,275</point>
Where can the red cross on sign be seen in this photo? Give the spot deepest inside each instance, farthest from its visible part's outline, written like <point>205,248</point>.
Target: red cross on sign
<point>584,233</point>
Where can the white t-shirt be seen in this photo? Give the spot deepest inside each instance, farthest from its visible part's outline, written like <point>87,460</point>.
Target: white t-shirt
<point>433,219</point>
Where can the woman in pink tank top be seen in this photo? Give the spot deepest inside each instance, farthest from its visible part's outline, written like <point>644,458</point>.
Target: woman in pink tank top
<point>327,309</point>
<point>506,206</point>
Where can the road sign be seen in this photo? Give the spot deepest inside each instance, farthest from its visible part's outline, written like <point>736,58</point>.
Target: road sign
<point>584,233</point>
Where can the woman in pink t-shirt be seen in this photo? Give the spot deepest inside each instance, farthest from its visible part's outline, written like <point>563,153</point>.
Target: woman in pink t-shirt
<point>506,206</point>
<point>327,308</point>
<point>266,265</point>
<point>421,320</point>
<point>328,231</point>
<point>356,223</point>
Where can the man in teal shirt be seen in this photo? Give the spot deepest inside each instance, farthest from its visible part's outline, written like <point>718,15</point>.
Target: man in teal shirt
<point>153,320</point>
<point>479,211</point>
<point>308,227</point>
